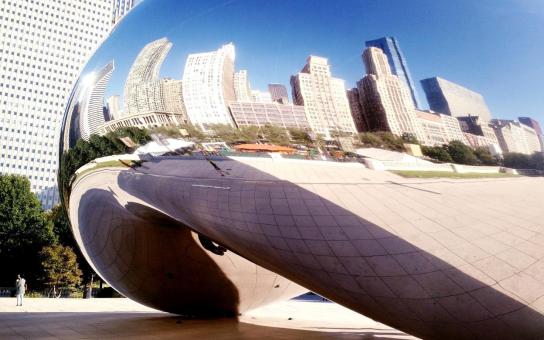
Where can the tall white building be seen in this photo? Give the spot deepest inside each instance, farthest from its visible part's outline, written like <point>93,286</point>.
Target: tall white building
<point>516,137</point>
<point>208,86</point>
<point>439,129</point>
<point>324,98</point>
<point>120,8</point>
<point>386,98</point>
<point>143,77</point>
<point>92,101</point>
<point>114,107</point>
<point>43,45</point>
<point>242,88</point>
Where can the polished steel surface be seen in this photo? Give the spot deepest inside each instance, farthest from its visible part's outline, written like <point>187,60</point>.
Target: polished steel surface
<point>219,236</point>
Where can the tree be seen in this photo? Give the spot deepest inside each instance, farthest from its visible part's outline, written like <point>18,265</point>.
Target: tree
<point>275,135</point>
<point>370,139</point>
<point>408,137</point>
<point>436,152</point>
<point>24,230</point>
<point>516,160</point>
<point>249,134</point>
<point>485,157</point>
<point>139,136</point>
<point>537,161</point>
<point>225,132</point>
<point>60,268</point>
<point>300,136</point>
<point>461,154</point>
<point>65,237</point>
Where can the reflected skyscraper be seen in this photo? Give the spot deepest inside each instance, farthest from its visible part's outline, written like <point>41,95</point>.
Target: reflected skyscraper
<point>208,81</point>
<point>120,8</point>
<point>397,63</point>
<point>92,101</point>
<point>242,88</point>
<point>385,98</point>
<point>323,96</point>
<point>279,93</point>
<point>455,100</point>
<point>142,76</point>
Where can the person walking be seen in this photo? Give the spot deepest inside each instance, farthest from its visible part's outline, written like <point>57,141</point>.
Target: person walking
<point>20,287</point>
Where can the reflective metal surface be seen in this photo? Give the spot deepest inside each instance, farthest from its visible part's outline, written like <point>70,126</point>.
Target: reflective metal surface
<point>213,236</point>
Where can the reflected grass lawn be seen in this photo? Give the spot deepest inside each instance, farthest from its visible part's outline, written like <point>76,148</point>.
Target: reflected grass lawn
<point>444,174</point>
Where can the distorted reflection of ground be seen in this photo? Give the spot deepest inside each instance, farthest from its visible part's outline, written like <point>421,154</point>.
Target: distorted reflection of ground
<point>123,318</point>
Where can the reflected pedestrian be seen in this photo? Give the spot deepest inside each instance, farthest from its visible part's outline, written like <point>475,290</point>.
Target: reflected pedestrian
<point>20,287</point>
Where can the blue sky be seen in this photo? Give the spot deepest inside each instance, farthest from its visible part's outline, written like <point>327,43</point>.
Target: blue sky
<point>494,47</point>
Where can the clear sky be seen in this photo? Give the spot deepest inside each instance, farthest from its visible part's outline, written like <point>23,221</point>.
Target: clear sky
<point>494,47</point>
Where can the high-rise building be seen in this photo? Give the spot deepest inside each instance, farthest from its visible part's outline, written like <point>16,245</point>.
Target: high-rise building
<point>530,122</point>
<point>242,88</point>
<point>516,137</point>
<point>208,86</point>
<point>324,98</point>
<point>479,132</point>
<point>279,93</point>
<point>92,101</point>
<point>385,98</point>
<point>259,114</point>
<point>453,99</point>
<point>261,96</point>
<point>397,63</point>
<point>113,104</point>
<point>44,44</point>
<point>439,128</point>
<point>143,76</point>
<point>120,8</point>
<point>357,110</point>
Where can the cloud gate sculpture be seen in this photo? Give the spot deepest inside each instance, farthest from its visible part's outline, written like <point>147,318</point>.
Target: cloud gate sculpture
<point>208,235</point>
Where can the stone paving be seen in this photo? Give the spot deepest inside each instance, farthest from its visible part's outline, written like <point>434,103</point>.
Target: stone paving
<point>123,318</point>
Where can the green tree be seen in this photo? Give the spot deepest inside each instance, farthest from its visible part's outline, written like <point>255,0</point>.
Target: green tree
<point>537,161</point>
<point>138,136</point>
<point>63,232</point>
<point>60,268</point>
<point>436,152</point>
<point>370,139</point>
<point>516,160</point>
<point>275,135</point>
<point>300,136</point>
<point>408,137</point>
<point>390,141</point>
<point>194,132</point>
<point>249,134</point>
<point>485,157</point>
<point>226,133</point>
<point>461,154</point>
<point>24,230</point>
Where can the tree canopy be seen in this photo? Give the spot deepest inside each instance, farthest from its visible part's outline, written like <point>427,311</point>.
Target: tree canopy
<point>24,229</point>
<point>60,267</point>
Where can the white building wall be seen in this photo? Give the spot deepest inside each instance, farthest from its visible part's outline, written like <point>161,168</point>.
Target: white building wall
<point>92,101</point>
<point>324,98</point>
<point>208,86</point>
<point>43,46</point>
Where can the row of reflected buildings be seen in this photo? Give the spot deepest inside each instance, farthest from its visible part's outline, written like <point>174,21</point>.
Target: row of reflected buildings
<point>211,91</point>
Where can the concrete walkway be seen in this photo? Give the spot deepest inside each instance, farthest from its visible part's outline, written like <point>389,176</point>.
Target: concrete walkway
<point>123,318</point>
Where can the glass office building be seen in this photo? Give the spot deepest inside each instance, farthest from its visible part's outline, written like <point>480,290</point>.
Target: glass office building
<point>399,67</point>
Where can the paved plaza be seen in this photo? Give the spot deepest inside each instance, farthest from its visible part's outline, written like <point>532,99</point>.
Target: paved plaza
<point>123,318</point>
